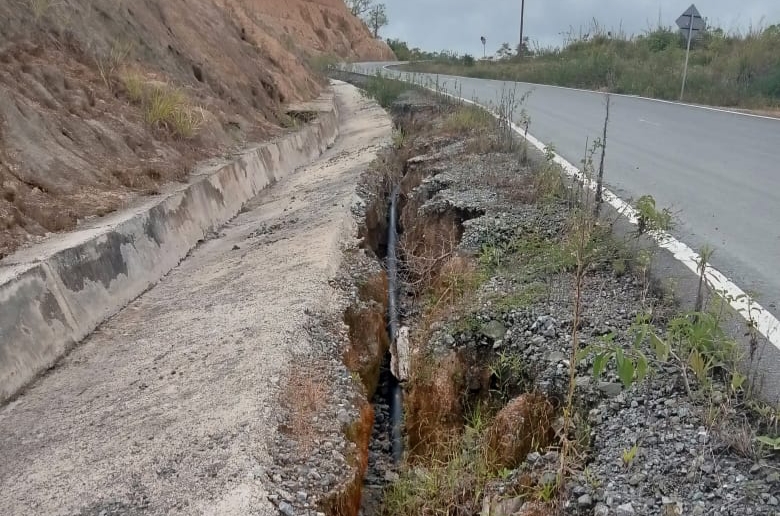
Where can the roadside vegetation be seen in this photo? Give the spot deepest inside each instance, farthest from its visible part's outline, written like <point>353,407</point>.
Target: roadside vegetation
<point>498,418</point>
<point>165,108</point>
<point>726,69</point>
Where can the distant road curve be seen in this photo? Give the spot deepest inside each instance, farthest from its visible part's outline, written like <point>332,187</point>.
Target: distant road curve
<point>718,170</point>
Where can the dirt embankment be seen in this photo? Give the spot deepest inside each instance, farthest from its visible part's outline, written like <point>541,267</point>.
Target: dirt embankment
<point>105,100</point>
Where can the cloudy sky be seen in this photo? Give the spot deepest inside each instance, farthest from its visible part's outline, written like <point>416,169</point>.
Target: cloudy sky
<point>458,24</point>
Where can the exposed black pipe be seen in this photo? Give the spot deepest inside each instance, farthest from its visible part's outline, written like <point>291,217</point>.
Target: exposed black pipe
<point>392,266</point>
<point>396,402</point>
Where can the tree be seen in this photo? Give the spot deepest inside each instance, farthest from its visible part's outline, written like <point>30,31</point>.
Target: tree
<point>358,7</point>
<point>505,52</point>
<point>400,49</point>
<point>524,50</point>
<point>377,18</point>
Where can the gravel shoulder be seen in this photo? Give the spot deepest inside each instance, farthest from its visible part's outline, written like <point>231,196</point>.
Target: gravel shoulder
<point>489,296</point>
<point>172,407</point>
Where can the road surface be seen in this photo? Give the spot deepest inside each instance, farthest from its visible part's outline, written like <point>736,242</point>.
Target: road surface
<point>719,171</point>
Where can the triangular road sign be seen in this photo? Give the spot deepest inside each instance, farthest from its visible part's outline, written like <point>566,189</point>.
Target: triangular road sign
<point>691,20</point>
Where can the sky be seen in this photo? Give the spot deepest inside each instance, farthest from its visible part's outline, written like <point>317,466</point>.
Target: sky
<point>457,25</point>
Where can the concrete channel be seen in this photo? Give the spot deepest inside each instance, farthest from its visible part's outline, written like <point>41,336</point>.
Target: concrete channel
<point>54,294</point>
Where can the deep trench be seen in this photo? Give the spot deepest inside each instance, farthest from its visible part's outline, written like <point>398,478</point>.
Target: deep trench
<point>384,234</point>
<point>393,317</point>
<point>386,445</point>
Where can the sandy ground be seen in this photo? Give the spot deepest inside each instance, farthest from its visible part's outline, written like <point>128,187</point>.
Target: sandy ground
<point>170,407</point>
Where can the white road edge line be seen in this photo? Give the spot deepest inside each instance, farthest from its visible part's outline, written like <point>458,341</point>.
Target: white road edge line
<point>764,322</point>
<point>626,95</point>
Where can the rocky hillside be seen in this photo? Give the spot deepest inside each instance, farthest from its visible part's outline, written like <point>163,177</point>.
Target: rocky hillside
<point>105,100</point>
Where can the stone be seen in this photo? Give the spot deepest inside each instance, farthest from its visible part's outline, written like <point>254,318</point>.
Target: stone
<point>343,417</point>
<point>625,510</point>
<point>494,330</point>
<point>507,507</point>
<point>611,389</point>
<point>601,510</point>
<point>582,381</point>
<point>555,357</point>
<point>584,501</point>
<point>286,509</point>
<point>400,354</point>
<point>391,476</point>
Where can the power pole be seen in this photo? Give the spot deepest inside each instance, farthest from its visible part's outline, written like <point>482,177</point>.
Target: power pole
<point>522,19</point>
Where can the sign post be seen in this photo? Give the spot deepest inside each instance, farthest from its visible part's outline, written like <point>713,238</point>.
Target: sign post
<point>690,22</point>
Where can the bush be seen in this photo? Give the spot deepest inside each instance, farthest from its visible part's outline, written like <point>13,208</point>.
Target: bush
<point>725,69</point>
<point>384,90</point>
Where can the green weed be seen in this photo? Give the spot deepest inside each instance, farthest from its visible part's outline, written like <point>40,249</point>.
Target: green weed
<point>383,89</point>
<point>629,455</point>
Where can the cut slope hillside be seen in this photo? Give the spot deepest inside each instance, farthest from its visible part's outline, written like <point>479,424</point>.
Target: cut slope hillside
<point>105,100</point>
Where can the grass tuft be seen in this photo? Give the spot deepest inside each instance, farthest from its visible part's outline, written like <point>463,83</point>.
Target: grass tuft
<point>468,119</point>
<point>168,108</point>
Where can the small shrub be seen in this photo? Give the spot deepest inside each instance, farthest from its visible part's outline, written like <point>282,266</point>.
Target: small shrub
<point>134,87</point>
<point>167,108</point>
<point>384,90</point>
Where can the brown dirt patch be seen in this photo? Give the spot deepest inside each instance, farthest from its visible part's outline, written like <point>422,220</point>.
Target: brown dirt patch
<point>521,426</point>
<point>74,141</point>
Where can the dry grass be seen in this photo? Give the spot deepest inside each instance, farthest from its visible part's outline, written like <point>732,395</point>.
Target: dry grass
<point>169,109</point>
<point>467,119</point>
<point>134,86</point>
<point>109,64</point>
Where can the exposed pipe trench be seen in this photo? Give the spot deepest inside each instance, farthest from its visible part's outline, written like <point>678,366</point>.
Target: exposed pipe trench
<point>396,402</point>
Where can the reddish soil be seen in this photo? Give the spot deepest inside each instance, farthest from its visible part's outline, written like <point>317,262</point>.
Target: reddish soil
<point>74,144</point>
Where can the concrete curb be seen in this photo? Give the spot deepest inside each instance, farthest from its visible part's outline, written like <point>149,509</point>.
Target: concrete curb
<point>55,294</point>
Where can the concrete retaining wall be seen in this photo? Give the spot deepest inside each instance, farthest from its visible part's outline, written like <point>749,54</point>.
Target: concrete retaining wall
<point>55,294</point>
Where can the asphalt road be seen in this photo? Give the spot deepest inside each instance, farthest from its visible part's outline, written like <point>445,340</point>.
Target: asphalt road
<point>718,171</point>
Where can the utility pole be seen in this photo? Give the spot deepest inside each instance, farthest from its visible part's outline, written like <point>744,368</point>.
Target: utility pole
<point>522,19</point>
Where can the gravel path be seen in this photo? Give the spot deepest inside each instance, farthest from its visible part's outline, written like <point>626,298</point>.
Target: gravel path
<point>171,407</point>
